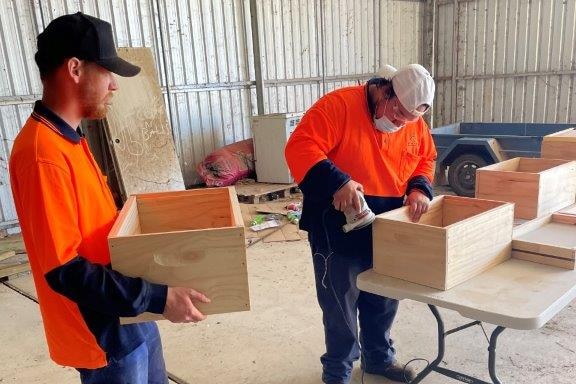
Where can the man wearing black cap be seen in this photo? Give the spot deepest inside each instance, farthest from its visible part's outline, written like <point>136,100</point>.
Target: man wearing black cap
<point>66,210</point>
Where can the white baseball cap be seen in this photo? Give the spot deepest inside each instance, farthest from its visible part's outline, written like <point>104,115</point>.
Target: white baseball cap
<point>413,85</point>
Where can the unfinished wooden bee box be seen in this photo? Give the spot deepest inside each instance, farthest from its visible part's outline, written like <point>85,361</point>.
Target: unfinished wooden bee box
<point>549,240</point>
<point>457,239</point>
<point>560,145</point>
<point>190,239</point>
<point>538,187</point>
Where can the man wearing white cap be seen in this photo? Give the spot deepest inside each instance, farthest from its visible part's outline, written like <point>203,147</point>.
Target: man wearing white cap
<point>368,139</point>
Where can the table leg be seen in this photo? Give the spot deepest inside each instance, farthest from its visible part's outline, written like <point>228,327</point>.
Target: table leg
<point>441,347</point>
<point>434,366</point>
<point>492,354</point>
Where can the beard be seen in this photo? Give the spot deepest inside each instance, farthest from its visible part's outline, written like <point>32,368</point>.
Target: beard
<point>92,104</point>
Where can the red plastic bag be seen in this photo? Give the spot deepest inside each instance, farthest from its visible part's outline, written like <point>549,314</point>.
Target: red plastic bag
<point>228,164</point>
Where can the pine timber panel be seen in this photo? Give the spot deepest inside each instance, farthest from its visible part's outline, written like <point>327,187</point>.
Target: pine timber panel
<point>454,241</point>
<point>128,221</point>
<point>538,187</point>
<point>543,259</point>
<point>548,240</point>
<point>560,145</point>
<point>566,218</point>
<point>173,247</point>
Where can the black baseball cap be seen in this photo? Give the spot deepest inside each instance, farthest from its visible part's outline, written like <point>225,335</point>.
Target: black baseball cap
<point>82,36</point>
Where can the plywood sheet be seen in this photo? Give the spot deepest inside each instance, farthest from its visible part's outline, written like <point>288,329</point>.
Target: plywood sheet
<point>138,128</point>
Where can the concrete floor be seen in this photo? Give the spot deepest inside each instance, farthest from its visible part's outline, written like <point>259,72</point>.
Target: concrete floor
<point>281,338</point>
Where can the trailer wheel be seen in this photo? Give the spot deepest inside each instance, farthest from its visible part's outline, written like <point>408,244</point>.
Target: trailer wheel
<point>462,174</point>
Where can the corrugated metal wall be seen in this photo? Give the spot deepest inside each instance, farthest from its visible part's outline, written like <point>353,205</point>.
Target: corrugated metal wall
<point>19,86</point>
<point>213,72</point>
<point>358,36</point>
<point>505,60</point>
<point>209,72</point>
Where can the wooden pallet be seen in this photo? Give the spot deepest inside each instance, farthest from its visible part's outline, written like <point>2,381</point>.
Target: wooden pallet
<point>254,193</point>
<point>12,263</point>
<point>13,257</point>
<point>7,272</point>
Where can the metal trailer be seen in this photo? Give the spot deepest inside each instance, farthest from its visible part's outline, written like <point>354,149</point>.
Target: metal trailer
<point>464,147</point>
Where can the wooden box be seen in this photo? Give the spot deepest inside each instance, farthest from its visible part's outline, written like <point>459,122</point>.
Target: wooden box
<point>547,240</point>
<point>560,145</point>
<point>538,187</point>
<point>455,240</point>
<point>187,238</point>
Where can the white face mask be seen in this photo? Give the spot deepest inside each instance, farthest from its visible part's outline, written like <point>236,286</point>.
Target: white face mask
<point>384,124</point>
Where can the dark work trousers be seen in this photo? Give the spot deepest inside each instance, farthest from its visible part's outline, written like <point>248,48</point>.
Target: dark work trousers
<point>337,263</point>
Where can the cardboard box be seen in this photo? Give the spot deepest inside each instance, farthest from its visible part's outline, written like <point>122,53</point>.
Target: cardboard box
<point>538,187</point>
<point>457,239</point>
<point>187,238</point>
<point>560,145</point>
<point>549,240</point>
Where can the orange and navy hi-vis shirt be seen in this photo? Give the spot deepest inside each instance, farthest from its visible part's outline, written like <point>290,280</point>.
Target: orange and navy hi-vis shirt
<point>336,141</point>
<point>66,210</point>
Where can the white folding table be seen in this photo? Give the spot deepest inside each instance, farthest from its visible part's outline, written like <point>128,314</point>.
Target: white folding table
<point>516,294</point>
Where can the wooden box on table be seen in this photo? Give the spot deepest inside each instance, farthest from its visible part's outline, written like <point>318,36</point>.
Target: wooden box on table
<point>189,238</point>
<point>537,186</point>
<point>549,240</point>
<point>455,240</point>
<point>560,145</point>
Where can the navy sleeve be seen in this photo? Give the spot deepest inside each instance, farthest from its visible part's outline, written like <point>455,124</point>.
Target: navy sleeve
<point>322,181</point>
<point>104,290</point>
<point>422,184</point>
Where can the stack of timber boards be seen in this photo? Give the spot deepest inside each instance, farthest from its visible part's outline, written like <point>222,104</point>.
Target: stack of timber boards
<point>549,240</point>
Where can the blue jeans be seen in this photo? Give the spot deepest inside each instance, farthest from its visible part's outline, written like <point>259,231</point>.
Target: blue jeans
<point>144,365</point>
<point>342,304</point>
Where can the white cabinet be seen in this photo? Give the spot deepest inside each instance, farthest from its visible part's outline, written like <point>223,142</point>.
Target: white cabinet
<point>270,133</point>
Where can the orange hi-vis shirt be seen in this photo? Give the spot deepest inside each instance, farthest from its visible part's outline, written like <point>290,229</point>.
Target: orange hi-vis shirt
<point>339,127</point>
<point>66,210</point>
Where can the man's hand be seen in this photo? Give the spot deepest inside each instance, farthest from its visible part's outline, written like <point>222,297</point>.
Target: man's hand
<point>180,305</point>
<point>347,196</point>
<point>418,203</point>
